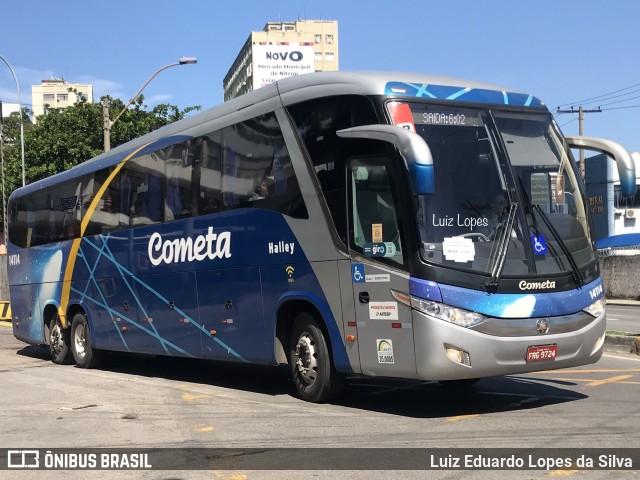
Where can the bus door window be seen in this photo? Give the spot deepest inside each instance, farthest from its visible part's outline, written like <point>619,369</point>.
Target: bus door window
<point>373,227</point>
<point>208,169</point>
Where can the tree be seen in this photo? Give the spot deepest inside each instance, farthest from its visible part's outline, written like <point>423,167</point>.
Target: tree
<point>63,138</point>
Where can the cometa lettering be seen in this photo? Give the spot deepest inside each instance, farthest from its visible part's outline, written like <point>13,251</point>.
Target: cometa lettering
<point>209,246</point>
<point>524,285</point>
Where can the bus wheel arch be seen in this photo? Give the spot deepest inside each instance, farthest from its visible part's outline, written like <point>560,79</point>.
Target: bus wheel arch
<point>82,349</point>
<point>304,337</point>
<point>286,317</point>
<point>57,337</point>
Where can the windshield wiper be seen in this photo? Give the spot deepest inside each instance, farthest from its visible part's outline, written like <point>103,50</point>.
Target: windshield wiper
<point>532,208</point>
<point>575,270</point>
<point>501,250</point>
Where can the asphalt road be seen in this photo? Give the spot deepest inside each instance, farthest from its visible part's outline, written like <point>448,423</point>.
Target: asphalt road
<point>623,318</point>
<point>140,402</point>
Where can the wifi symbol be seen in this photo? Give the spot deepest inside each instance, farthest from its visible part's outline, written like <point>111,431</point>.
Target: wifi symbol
<point>289,271</point>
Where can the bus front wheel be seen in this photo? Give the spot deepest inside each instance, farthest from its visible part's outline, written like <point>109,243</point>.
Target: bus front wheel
<point>83,352</point>
<point>59,342</point>
<point>314,375</point>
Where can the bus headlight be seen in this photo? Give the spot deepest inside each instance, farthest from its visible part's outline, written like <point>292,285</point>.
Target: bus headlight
<point>596,308</point>
<point>457,316</point>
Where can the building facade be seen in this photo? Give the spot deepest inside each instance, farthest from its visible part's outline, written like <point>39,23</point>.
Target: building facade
<point>611,213</point>
<point>9,108</point>
<point>56,93</point>
<point>283,49</point>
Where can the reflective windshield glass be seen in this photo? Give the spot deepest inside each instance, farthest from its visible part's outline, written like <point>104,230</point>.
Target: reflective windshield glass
<point>460,222</point>
<point>483,173</point>
<point>554,206</point>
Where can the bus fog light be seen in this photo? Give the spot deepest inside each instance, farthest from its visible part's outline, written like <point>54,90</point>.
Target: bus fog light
<point>599,342</point>
<point>457,355</point>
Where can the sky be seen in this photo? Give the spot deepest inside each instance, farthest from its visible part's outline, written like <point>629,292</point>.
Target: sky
<point>565,52</point>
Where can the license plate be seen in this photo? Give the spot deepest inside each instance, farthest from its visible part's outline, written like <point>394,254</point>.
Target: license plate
<point>542,352</point>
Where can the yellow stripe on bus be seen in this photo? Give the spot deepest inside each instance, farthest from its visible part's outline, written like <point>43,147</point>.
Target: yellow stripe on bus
<point>73,253</point>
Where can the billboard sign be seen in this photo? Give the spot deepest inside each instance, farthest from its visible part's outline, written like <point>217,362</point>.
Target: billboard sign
<point>273,61</point>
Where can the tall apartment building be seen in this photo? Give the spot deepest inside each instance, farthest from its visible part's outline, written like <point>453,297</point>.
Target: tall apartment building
<point>9,108</point>
<point>283,49</point>
<point>55,94</point>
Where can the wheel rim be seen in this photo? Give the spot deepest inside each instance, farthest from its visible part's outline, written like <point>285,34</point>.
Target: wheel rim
<point>55,338</point>
<point>80,341</point>
<point>306,361</point>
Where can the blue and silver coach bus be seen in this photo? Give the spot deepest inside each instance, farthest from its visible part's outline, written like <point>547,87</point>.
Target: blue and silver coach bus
<point>392,225</point>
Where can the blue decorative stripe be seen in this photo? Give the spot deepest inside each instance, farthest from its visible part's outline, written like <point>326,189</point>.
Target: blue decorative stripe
<point>104,252</point>
<point>509,305</point>
<point>446,92</point>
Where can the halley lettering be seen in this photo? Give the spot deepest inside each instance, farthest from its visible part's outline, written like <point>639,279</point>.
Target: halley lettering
<point>209,246</point>
<point>524,285</point>
<point>281,247</point>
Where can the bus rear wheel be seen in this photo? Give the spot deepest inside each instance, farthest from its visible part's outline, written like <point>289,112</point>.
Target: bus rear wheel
<point>59,342</point>
<point>83,352</point>
<point>314,375</point>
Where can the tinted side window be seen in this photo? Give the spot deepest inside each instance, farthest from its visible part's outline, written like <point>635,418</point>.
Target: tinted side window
<point>51,214</point>
<point>257,170</point>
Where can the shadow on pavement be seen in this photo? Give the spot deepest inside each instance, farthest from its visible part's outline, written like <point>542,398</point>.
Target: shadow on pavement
<point>391,396</point>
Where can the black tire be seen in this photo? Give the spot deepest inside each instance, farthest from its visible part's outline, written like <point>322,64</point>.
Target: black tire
<point>83,352</point>
<point>58,340</point>
<point>314,374</point>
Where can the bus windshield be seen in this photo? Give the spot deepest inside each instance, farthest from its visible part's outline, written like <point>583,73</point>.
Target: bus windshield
<point>491,165</point>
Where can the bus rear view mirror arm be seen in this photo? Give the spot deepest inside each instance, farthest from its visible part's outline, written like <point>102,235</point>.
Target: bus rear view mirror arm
<point>623,159</point>
<point>412,147</point>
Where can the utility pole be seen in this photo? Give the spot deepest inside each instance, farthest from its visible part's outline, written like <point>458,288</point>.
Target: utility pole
<point>106,125</point>
<point>581,111</point>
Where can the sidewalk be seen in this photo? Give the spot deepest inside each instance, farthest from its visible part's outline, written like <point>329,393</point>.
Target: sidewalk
<point>622,301</point>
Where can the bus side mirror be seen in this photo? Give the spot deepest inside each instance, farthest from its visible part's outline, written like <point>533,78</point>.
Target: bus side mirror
<point>412,147</point>
<point>624,160</point>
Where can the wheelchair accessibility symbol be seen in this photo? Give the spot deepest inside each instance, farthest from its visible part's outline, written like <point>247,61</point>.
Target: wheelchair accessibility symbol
<point>539,244</point>
<point>357,273</point>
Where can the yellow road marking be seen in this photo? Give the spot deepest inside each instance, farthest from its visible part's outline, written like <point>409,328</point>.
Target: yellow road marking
<point>203,428</point>
<point>608,380</point>
<point>462,417</point>
<point>231,476</point>
<point>189,397</point>
<point>588,380</point>
<point>562,473</point>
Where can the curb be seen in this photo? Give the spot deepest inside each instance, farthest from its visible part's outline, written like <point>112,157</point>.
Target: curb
<point>628,343</point>
<point>622,301</point>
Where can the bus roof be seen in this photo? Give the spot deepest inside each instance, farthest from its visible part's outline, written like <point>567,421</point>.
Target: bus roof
<point>295,89</point>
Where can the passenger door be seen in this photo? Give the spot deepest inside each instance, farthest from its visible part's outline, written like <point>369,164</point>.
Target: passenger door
<point>378,266</point>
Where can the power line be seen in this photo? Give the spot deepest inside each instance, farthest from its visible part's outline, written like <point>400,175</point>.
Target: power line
<point>619,101</point>
<point>570,121</point>
<point>581,111</point>
<point>618,96</point>
<point>620,108</point>
<point>599,96</point>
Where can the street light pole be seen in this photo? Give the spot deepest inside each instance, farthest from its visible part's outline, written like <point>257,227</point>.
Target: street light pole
<point>20,113</point>
<point>105,105</point>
